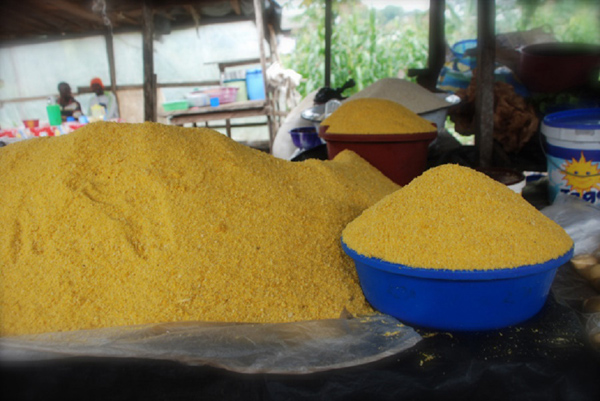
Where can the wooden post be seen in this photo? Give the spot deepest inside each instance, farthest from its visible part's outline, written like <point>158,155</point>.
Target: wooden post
<point>110,51</point>
<point>154,94</point>
<point>436,55</point>
<point>258,14</point>
<point>437,41</point>
<point>148,56</point>
<point>328,17</point>
<point>484,101</point>
<point>228,127</point>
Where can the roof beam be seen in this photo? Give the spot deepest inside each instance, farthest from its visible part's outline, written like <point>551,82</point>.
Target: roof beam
<point>76,10</point>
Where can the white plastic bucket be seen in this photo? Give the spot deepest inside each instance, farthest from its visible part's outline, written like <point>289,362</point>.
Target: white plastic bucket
<point>573,153</point>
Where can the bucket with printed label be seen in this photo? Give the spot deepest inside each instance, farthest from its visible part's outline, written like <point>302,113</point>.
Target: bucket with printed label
<point>573,153</point>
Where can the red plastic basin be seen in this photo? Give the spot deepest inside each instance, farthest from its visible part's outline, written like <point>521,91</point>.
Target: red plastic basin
<point>400,157</point>
<point>554,67</point>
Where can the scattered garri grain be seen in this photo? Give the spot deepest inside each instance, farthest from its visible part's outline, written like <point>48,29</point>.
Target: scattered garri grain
<point>456,218</point>
<point>122,224</point>
<point>375,116</point>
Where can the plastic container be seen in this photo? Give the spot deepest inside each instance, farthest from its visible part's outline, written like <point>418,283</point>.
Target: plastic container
<point>223,93</point>
<point>176,105</point>
<point>31,123</point>
<point>439,116</point>
<point>240,84</point>
<point>98,112</point>
<point>255,84</point>
<point>460,48</point>
<point>234,74</point>
<point>197,99</point>
<point>462,61</point>
<point>456,300</point>
<point>400,157</point>
<point>554,67</point>
<point>305,137</point>
<point>54,117</point>
<point>573,153</point>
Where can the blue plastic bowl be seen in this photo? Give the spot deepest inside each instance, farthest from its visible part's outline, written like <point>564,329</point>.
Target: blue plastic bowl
<point>305,137</point>
<point>460,48</point>
<point>456,300</point>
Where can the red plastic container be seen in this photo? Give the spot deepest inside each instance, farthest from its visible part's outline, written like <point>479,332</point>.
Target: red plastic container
<point>400,157</point>
<point>31,123</point>
<point>554,67</point>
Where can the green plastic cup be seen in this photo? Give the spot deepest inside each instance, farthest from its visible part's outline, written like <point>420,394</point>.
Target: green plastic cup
<point>54,114</point>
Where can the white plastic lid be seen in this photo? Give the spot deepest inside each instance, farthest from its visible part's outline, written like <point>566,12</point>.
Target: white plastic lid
<point>581,125</point>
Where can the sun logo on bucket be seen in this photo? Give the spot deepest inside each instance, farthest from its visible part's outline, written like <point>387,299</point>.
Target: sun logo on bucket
<point>581,175</point>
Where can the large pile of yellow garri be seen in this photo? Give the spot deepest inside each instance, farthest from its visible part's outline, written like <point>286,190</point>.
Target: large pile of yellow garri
<point>121,224</point>
<point>456,218</point>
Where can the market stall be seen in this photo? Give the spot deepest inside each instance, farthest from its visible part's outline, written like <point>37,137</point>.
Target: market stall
<point>31,24</point>
<point>551,349</point>
<point>164,262</point>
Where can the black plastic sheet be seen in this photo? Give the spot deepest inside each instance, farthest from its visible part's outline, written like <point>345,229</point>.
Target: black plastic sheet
<point>545,358</point>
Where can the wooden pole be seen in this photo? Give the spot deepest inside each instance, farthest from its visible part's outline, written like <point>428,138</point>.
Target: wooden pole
<point>328,17</point>
<point>148,56</point>
<point>437,41</point>
<point>110,51</point>
<point>258,13</point>
<point>484,101</point>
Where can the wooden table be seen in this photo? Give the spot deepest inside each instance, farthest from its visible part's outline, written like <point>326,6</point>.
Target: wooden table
<point>225,112</point>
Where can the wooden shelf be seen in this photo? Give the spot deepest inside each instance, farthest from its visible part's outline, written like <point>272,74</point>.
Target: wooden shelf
<point>225,112</point>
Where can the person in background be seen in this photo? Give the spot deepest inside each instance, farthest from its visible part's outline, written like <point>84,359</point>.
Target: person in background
<point>69,107</point>
<point>103,98</point>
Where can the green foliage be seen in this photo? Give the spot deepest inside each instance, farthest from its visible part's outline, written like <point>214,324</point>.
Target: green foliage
<point>366,45</point>
<point>567,20</point>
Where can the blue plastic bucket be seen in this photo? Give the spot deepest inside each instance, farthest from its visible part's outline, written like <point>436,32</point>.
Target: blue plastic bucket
<point>573,153</point>
<point>305,137</point>
<point>456,300</point>
<point>460,48</point>
<point>255,84</point>
<point>462,62</point>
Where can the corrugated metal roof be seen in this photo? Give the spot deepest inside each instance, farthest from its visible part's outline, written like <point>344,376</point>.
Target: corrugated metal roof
<point>31,19</point>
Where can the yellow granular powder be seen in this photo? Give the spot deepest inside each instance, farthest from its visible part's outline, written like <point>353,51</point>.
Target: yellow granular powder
<point>122,224</point>
<point>375,116</point>
<point>456,218</point>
